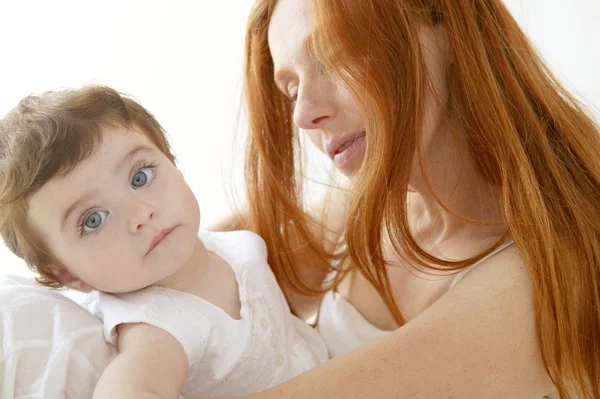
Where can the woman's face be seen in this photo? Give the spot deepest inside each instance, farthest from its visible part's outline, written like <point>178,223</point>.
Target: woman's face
<point>323,107</point>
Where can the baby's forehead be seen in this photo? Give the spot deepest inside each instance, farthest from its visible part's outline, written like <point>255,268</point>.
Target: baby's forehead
<point>92,174</point>
<point>113,151</point>
<point>65,188</point>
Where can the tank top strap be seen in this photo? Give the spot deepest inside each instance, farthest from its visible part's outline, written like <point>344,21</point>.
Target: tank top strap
<point>466,270</point>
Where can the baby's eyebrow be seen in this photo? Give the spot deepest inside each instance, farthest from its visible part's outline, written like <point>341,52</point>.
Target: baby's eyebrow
<point>130,155</point>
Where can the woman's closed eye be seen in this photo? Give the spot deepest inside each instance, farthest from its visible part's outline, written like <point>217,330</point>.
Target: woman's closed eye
<point>293,94</point>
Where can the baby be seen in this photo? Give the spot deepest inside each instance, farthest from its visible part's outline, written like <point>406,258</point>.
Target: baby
<point>91,199</point>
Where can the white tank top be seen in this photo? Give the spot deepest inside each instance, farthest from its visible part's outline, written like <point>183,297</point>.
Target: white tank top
<point>343,328</point>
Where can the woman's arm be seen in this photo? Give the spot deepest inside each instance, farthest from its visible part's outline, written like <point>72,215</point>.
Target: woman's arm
<point>476,341</point>
<point>151,364</point>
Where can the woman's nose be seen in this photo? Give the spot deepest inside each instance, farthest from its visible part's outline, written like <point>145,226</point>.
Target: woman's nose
<point>314,106</point>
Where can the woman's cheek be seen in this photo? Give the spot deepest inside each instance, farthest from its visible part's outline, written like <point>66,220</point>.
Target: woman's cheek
<point>315,138</point>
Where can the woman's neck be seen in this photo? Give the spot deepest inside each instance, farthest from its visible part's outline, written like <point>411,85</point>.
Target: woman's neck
<point>458,185</point>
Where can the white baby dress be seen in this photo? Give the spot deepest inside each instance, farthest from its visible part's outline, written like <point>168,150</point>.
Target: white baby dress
<point>227,357</point>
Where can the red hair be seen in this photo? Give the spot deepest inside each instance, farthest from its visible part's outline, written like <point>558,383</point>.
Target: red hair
<point>527,136</point>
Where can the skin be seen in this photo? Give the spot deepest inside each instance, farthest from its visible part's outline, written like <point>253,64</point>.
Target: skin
<point>475,340</point>
<point>120,199</point>
<point>129,217</point>
<point>325,111</point>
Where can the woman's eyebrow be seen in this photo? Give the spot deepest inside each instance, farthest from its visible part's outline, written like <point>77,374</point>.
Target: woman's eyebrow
<point>280,77</point>
<point>284,72</point>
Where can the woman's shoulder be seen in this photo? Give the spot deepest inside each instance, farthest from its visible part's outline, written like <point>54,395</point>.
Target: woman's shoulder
<point>507,246</point>
<point>506,261</point>
<point>486,323</point>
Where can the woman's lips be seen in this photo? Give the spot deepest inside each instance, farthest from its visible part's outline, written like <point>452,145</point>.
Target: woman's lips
<point>346,152</point>
<point>339,144</point>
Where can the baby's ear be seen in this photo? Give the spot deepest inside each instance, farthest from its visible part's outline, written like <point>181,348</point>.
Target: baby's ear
<point>65,278</point>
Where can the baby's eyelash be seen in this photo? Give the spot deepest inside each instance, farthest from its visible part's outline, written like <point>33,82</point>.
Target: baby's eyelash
<point>81,221</point>
<point>142,165</point>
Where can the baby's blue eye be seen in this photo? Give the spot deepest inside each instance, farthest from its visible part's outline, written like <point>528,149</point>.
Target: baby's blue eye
<point>142,177</point>
<point>93,221</point>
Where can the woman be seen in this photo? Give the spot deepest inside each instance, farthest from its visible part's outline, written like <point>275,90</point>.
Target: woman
<point>469,264</point>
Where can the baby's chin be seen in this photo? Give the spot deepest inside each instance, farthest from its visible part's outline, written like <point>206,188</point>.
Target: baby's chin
<point>135,280</point>
<point>130,286</point>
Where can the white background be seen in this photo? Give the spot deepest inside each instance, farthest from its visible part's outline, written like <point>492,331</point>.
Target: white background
<point>183,61</point>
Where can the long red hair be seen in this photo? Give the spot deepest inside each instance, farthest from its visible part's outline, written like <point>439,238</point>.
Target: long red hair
<point>528,137</point>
